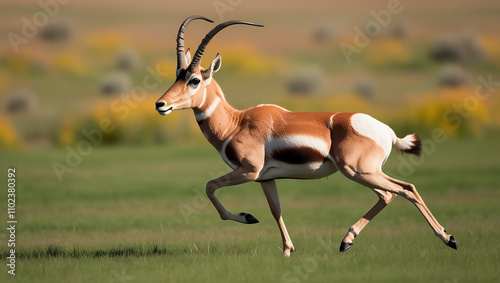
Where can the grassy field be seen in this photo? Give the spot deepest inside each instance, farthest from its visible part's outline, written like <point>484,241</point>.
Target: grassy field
<point>140,215</point>
<point>137,211</point>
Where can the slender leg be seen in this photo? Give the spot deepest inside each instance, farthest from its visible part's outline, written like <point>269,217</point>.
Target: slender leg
<point>384,199</point>
<point>383,182</point>
<point>416,199</point>
<point>239,176</point>
<point>269,188</point>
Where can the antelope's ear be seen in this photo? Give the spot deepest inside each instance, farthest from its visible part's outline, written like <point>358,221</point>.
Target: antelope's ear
<point>188,57</point>
<point>214,67</point>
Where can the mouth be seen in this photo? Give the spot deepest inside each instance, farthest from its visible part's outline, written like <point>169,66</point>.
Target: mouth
<point>165,112</point>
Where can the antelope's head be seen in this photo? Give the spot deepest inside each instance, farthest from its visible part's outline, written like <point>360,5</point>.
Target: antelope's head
<point>191,79</point>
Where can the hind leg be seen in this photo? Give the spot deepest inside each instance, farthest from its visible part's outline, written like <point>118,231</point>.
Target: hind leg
<point>377,179</point>
<point>384,199</point>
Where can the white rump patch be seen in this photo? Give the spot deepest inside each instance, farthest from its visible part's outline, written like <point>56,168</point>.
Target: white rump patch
<point>369,127</point>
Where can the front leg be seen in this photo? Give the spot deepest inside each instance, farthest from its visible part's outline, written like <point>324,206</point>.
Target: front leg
<point>238,176</point>
<point>269,188</point>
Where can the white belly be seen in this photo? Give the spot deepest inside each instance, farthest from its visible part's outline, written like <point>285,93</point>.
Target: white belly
<point>281,170</point>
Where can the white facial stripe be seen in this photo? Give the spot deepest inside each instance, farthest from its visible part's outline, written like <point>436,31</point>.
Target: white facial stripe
<point>369,127</point>
<point>204,97</point>
<point>204,115</point>
<point>298,141</point>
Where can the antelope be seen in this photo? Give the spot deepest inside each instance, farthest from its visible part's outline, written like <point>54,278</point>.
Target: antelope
<point>268,142</point>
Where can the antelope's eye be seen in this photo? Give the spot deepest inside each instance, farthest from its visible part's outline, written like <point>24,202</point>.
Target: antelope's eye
<point>194,82</point>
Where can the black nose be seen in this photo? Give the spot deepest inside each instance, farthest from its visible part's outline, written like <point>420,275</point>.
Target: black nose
<point>159,104</point>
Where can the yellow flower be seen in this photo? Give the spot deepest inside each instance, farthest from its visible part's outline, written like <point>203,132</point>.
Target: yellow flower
<point>8,136</point>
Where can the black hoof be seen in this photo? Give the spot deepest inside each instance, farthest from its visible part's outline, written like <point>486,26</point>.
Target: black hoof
<point>451,243</point>
<point>249,218</point>
<point>345,246</point>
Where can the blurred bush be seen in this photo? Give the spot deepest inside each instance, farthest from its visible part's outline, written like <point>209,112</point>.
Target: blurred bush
<point>452,76</point>
<point>128,122</point>
<point>8,135</point>
<point>389,52</point>
<point>115,84</point>
<point>246,60</point>
<point>128,60</point>
<point>55,31</point>
<point>21,100</point>
<point>70,63</point>
<point>464,48</point>
<point>364,87</point>
<point>342,102</point>
<point>165,68</point>
<point>106,42</point>
<point>305,82</point>
<point>455,110</point>
<point>491,47</point>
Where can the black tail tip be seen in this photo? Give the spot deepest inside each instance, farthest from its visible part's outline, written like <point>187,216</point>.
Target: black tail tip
<point>417,145</point>
<point>416,148</point>
<point>452,243</point>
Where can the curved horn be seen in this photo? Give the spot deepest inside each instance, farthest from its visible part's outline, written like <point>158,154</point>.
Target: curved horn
<point>195,63</point>
<point>181,62</point>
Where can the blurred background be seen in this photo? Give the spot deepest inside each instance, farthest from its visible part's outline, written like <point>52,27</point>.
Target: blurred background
<point>66,66</point>
<point>101,175</point>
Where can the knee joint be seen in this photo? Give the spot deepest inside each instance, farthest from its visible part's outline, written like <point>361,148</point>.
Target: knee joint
<point>210,188</point>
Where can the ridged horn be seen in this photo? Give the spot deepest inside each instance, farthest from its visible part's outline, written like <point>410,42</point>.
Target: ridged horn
<point>181,61</point>
<point>195,63</point>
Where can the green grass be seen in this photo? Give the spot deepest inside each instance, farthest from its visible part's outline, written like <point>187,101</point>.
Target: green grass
<point>120,216</point>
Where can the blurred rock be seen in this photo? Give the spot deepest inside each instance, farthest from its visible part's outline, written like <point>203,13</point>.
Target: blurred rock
<point>446,50</point>
<point>306,81</point>
<point>470,47</point>
<point>452,76</point>
<point>398,30</point>
<point>460,49</point>
<point>57,31</point>
<point>127,60</point>
<point>364,87</point>
<point>322,34</point>
<point>21,100</point>
<point>115,84</point>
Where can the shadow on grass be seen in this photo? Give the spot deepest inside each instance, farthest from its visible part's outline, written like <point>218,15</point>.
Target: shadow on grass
<point>52,251</point>
<point>133,251</point>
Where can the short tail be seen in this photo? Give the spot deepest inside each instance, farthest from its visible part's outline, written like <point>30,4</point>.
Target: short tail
<point>409,144</point>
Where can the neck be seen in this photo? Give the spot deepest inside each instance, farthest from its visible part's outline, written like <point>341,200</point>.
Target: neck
<point>217,119</point>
